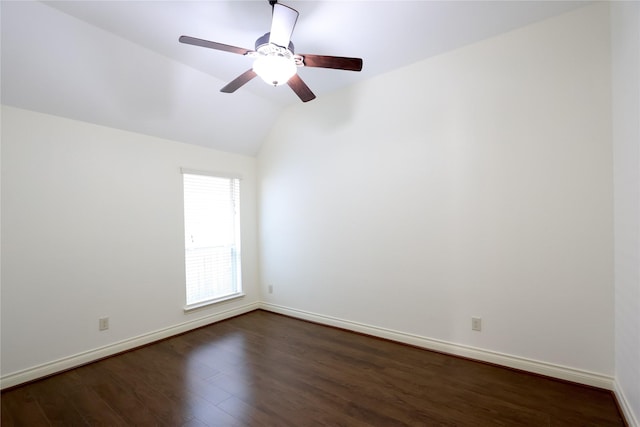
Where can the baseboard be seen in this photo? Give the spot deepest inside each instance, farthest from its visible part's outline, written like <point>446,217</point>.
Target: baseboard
<point>83,358</point>
<point>534,366</point>
<point>515,362</point>
<point>625,407</point>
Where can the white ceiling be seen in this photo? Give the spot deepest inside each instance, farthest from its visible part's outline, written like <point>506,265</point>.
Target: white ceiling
<point>119,63</point>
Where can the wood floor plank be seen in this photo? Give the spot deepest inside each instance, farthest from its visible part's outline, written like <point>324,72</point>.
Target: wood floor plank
<point>170,411</point>
<point>210,414</point>
<point>194,422</point>
<point>53,395</point>
<point>21,408</point>
<point>266,369</point>
<point>245,413</point>
<point>120,397</point>
<point>93,409</point>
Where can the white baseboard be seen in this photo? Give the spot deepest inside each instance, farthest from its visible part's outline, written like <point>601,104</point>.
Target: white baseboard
<point>625,407</point>
<point>83,358</point>
<point>534,366</point>
<point>529,365</point>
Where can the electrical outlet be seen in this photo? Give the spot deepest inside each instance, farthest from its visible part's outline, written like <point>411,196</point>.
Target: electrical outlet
<point>270,289</point>
<point>476,324</point>
<point>103,323</point>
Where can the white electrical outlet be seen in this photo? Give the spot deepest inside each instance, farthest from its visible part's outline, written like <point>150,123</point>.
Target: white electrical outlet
<point>476,324</point>
<point>103,323</point>
<point>270,289</point>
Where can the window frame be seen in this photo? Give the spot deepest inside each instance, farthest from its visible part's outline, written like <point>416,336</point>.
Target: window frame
<point>238,293</point>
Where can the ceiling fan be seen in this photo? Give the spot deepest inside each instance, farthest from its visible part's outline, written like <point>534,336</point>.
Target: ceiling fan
<point>274,58</point>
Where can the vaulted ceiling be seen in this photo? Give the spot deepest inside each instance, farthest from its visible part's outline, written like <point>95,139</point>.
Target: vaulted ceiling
<point>119,63</point>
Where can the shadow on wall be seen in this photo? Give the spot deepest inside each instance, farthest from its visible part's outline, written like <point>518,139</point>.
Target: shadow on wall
<point>329,113</point>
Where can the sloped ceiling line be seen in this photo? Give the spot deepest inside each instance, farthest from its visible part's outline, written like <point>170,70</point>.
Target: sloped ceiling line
<point>119,64</point>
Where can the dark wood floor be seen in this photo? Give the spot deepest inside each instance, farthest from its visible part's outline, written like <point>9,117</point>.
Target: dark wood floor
<point>263,369</point>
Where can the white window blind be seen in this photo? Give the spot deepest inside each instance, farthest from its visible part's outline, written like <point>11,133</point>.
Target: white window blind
<point>212,237</point>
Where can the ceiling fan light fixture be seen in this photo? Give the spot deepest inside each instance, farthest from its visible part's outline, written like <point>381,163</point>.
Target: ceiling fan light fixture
<point>274,69</point>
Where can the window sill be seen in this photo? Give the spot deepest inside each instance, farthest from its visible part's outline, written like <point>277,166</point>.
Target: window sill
<point>207,303</point>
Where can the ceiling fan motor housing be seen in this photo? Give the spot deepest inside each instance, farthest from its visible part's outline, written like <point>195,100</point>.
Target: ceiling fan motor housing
<point>264,41</point>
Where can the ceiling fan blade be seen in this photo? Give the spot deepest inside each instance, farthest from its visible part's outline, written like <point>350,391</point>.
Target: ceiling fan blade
<point>336,62</point>
<point>300,88</point>
<point>213,45</point>
<point>239,81</point>
<point>282,24</point>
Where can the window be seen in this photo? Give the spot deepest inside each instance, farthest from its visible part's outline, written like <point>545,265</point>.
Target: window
<point>212,238</point>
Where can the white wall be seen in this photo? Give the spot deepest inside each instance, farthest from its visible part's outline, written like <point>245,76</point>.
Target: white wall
<point>625,25</point>
<point>92,225</point>
<point>475,183</point>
